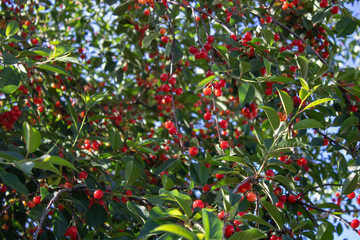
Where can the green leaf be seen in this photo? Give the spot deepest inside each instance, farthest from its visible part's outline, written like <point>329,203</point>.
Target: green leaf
<point>272,116</point>
<point>304,84</point>
<point>13,181</point>
<point>325,232</point>
<point>267,66</point>
<point>350,184</point>
<point>96,215</point>
<point>204,82</point>
<point>244,67</point>
<point>121,10</point>
<point>94,99</point>
<point>32,138</point>
<point>348,124</point>
<point>274,213</point>
<point>11,156</point>
<point>60,224</point>
<point>308,123</point>
<point>257,219</point>
<point>246,93</point>
<point>217,68</point>
<point>281,79</point>
<point>178,51</point>
<point>61,51</point>
<point>317,102</point>
<point>177,230</point>
<point>303,66</point>
<point>166,182</point>
<point>132,173</point>
<point>53,68</point>
<point>252,234</point>
<point>285,181</point>
<point>72,112</point>
<point>345,27</point>
<point>47,166</point>
<point>148,39</point>
<point>58,161</point>
<point>212,225</point>
<point>44,192</point>
<point>12,28</point>
<point>286,101</point>
<point>268,36</point>
<point>115,139</point>
<point>9,80</point>
<point>68,59</point>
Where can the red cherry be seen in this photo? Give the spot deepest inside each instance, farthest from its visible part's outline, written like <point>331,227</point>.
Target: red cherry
<point>293,68</point>
<point>273,237</point>
<point>98,194</point>
<point>146,12</point>
<point>353,108</point>
<point>219,176</point>
<point>207,91</point>
<point>280,204</point>
<point>292,199</point>
<point>335,9</point>
<point>83,175</point>
<point>198,203</point>
<point>283,198</point>
<point>351,195</point>
<point>277,191</point>
<point>355,223</point>
<point>31,204</point>
<point>37,199</point>
<point>128,193</point>
<point>193,50</point>
<point>210,39</point>
<point>207,116</point>
<point>224,144</point>
<point>276,37</point>
<point>229,230</point>
<point>251,197</point>
<point>268,91</point>
<point>206,188</point>
<point>270,173</point>
<point>165,39</point>
<point>326,141</point>
<point>223,124</point>
<point>60,207</point>
<point>193,151</point>
<point>221,215</point>
<point>169,124</point>
<point>324,3</point>
<point>172,81</point>
<point>3,189</point>
<point>218,92</point>
<point>163,77</point>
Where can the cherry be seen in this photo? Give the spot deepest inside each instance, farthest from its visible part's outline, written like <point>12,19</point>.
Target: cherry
<point>229,230</point>
<point>193,50</point>
<point>210,39</point>
<point>83,175</point>
<point>31,204</point>
<point>326,141</point>
<point>128,193</point>
<point>34,41</point>
<point>353,108</point>
<point>270,174</point>
<point>251,197</point>
<point>273,237</point>
<point>162,31</point>
<point>324,3</point>
<point>292,199</point>
<point>172,81</point>
<point>163,77</point>
<point>293,68</point>
<point>198,203</point>
<point>277,191</point>
<point>206,188</point>
<point>146,12</point>
<point>276,37</point>
<point>207,91</point>
<point>283,198</point>
<point>223,124</point>
<point>355,223</point>
<point>219,176</point>
<point>224,144</point>
<point>169,124</point>
<point>165,39</point>
<point>221,215</point>
<point>207,116</point>
<point>193,151</point>
<point>178,91</point>
<point>335,9</point>
<point>218,92</point>
<point>37,199</point>
<point>3,189</point>
<point>268,91</point>
<point>280,204</point>
<point>351,195</point>
<point>98,194</point>
<point>60,207</point>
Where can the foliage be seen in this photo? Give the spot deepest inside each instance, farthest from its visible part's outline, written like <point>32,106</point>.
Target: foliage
<point>116,116</point>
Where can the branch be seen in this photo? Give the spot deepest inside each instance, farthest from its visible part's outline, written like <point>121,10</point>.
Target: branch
<point>320,186</point>
<point>46,212</point>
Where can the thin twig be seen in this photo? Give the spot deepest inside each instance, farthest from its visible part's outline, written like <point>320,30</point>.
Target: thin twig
<point>320,186</point>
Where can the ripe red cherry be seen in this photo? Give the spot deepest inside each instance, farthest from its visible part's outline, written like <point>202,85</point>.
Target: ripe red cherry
<point>219,176</point>
<point>169,124</point>
<point>270,174</point>
<point>34,41</point>
<point>172,80</point>
<point>353,108</point>
<point>326,141</point>
<point>218,92</point>
<point>31,204</point>
<point>198,203</point>
<point>178,91</point>
<point>273,237</point>
<point>207,116</point>
<point>83,175</point>
<point>193,151</point>
<point>206,188</point>
<point>37,199</point>
<point>280,204</point>
<point>165,39</point>
<point>210,39</point>
<point>283,198</point>
<point>207,46</point>
<point>293,68</point>
<point>223,124</point>
<point>251,197</point>
<point>163,77</point>
<point>229,230</point>
<point>224,144</point>
<point>128,193</point>
<point>351,195</point>
<point>276,37</point>
<point>60,207</point>
<point>3,189</point>
<point>98,194</point>
<point>355,223</point>
<point>268,91</point>
<point>292,199</point>
<point>335,9</point>
<point>207,91</point>
<point>324,3</point>
<point>277,191</point>
<point>221,215</point>
<point>193,50</point>
<point>146,12</point>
